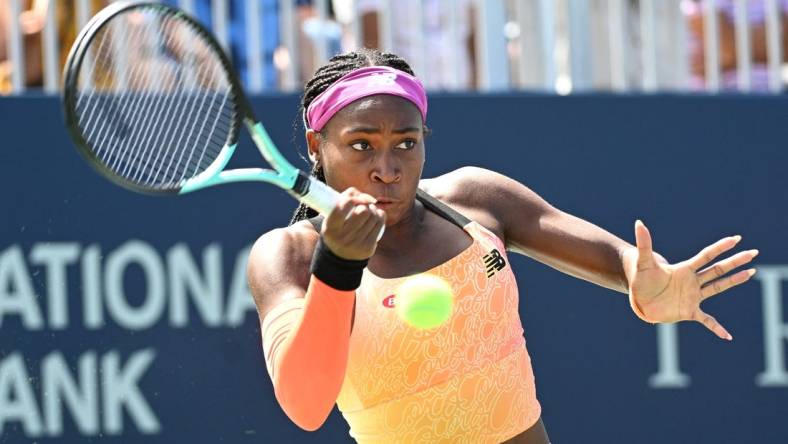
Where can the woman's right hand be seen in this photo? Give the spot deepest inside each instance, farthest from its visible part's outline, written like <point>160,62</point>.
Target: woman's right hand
<point>351,230</point>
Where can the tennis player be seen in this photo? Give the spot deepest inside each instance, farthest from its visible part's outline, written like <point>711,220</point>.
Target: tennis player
<point>325,288</point>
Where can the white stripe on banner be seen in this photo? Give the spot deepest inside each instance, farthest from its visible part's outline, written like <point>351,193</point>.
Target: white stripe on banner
<point>774,49</point>
<point>321,48</point>
<point>682,51</point>
<point>547,19</point>
<point>15,47</point>
<point>51,52</point>
<point>617,35</point>
<point>711,45</point>
<point>254,47</point>
<point>219,19</point>
<point>385,35</point>
<point>648,45</point>
<point>83,13</point>
<point>580,49</point>
<point>187,6</point>
<point>290,63</point>
<point>452,58</point>
<point>355,26</point>
<point>743,57</point>
<point>420,53</point>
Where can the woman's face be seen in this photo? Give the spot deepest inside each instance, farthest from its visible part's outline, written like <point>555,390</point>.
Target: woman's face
<point>375,144</point>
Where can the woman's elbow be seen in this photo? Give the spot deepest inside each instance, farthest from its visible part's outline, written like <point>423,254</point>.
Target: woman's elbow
<point>306,412</point>
<point>310,424</point>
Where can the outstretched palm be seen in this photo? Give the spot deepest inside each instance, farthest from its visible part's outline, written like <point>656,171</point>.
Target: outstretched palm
<point>673,292</point>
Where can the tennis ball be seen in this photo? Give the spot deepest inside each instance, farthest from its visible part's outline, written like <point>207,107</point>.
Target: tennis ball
<point>424,301</point>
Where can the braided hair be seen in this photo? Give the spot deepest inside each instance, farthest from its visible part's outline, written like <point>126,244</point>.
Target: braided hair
<point>325,76</point>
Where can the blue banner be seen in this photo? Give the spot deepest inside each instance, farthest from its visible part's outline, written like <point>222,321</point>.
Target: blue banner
<point>127,317</point>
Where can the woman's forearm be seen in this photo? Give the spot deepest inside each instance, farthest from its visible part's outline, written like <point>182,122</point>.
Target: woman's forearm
<point>306,352</point>
<point>581,249</point>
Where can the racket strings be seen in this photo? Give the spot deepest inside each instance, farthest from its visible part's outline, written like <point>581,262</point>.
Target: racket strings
<point>159,160</point>
<point>104,83</point>
<point>140,110</point>
<point>153,101</point>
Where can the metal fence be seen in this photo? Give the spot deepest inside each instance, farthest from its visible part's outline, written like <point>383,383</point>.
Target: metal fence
<point>559,46</point>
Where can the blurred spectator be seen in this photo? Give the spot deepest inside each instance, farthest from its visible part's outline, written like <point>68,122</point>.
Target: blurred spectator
<point>31,22</point>
<point>310,29</point>
<point>237,38</point>
<point>756,16</point>
<point>4,13</point>
<point>33,18</point>
<point>450,58</point>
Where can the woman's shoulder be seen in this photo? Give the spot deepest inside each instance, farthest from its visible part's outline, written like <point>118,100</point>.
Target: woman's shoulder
<point>470,190</point>
<point>287,244</point>
<point>278,266</point>
<point>468,186</point>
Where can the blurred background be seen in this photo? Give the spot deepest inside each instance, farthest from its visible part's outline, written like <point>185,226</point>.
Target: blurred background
<point>553,46</point>
<point>127,318</point>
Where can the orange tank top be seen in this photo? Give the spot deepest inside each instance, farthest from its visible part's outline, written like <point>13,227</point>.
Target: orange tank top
<point>468,380</point>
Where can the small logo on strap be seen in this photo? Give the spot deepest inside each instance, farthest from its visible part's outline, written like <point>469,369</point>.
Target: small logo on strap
<point>494,262</point>
<point>388,302</point>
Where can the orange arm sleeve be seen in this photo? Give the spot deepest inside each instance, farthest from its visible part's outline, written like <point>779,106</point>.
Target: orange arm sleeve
<point>305,342</point>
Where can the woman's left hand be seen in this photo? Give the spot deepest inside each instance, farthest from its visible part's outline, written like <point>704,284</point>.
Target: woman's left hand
<point>666,292</point>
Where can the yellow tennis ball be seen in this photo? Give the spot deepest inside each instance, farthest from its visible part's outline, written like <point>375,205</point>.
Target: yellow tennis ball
<point>424,301</point>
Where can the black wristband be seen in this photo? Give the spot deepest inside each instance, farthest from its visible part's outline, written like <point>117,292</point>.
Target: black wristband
<point>334,271</point>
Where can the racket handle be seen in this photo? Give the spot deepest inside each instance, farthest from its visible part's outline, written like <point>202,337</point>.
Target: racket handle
<point>315,194</point>
<point>319,196</point>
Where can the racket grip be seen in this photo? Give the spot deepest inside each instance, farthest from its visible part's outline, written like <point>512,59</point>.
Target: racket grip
<point>315,194</point>
<point>319,196</point>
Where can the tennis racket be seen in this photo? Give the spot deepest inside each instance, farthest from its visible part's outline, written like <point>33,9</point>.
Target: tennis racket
<point>153,104</point>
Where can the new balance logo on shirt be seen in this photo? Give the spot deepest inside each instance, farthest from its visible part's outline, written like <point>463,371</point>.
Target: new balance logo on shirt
<point>494,262</point>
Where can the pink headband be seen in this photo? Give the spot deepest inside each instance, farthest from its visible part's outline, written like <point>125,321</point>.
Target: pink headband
<point>362,83</point>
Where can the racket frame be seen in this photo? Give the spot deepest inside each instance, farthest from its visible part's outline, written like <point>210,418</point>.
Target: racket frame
<point>303,187</point>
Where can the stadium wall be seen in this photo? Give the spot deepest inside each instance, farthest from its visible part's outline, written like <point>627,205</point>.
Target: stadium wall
<point>127,317</point>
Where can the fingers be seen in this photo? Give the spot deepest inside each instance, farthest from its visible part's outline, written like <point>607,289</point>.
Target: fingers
<point>643,242</point>
<point>709,322</point>
<point>720,285</point>
<point>348,201</point>
<point>374,225</point>
<point>721,268</point>
<point>709,253</point>
<point>351,230</point>
<point>358,217</point>
<point>363,220</point>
